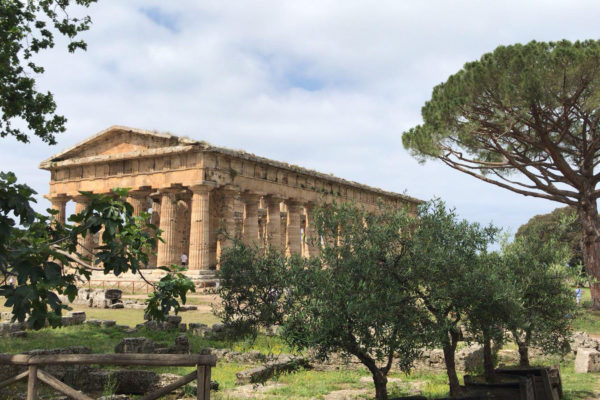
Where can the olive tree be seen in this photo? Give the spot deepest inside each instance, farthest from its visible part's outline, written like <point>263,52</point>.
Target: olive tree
<point>356,297</point>
<point>444,251</point>
<point>537,265</point>
<point>524,118</point>
<point>493,302</point>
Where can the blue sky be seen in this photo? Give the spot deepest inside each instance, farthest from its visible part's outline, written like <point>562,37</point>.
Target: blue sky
<point>328,85</point>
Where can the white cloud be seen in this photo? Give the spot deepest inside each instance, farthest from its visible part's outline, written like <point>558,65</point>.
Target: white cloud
<point>328,85</point>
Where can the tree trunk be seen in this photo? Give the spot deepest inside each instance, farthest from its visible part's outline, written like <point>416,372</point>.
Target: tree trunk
<point>449,352</point>
<point>524,349</point>
<point>523,354</point>
<point>379,376</point>
<point>380,381</point>
<point>488,360</point>
<point>590,224</point>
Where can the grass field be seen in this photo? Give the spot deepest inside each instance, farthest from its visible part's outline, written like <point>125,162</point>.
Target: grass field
<point>305,384</point>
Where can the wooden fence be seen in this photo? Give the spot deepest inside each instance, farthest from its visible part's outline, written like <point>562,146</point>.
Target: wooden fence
<point>34,373</point>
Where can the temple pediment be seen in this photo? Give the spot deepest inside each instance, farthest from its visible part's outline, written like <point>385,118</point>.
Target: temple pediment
<point>119,141</point>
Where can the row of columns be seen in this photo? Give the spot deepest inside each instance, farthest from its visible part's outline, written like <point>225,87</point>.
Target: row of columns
<point>202,232</point>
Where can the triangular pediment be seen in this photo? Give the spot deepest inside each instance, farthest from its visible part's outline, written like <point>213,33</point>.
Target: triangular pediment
<point>119,140</point>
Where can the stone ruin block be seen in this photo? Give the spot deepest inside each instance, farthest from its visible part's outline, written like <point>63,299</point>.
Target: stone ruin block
<point>283,364</point>
<point>587,360</point>
<point>78,316</point>
<point>98,298</point>
<point>197,328</point>
<point>135,345</point>
<point>172,322</point>
<point>582,339</point>
<point>127,381</point>
<point>142,345</point>
<point>185,308</point>
<point>8,328</point>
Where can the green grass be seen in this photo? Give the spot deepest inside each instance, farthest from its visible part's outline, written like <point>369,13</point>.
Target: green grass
<point>131,317</point>
<point>311,384</point>
<point>588,320</point>
<point>432,384</point>
<point>304,384</point>
<point>578,386</point>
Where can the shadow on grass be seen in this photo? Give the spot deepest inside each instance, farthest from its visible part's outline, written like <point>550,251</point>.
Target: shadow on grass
<point>580,395</point>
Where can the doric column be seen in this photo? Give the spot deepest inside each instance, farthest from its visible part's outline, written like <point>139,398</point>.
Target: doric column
<point>274,221</point>
<point>312,238</point>
<point>139,201</point>
<point>167,250</point>
<point>200,227</point>
<point>154,220</point>
<point>183,224</point>
<point>250,234</point>
<point>85,246</point>
<point>294,239</point>
<point>230,194</point>
<point>59,203</point>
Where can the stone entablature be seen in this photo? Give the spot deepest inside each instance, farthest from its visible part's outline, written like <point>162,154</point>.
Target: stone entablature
<point>193,188</point>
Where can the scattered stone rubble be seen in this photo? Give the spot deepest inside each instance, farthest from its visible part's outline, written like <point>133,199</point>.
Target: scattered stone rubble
<point>469,358</point>
<point>284,363</point>
<point>18,329</point>
<point>97,298</point>
<point>587,360</point>
<point>587,351</point>
<point>583,340</point>
<point>172,322</point>
<point>142,345</point>
<point>250,357</point>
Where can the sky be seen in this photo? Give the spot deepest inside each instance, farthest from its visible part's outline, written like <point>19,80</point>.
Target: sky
<point>327,85</point>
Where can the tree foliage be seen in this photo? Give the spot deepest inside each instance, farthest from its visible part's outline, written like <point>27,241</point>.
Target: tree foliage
<point>493,302</point>
<point>26,28</point>
<point>525,118</point>
<point>36,253</point>
<point>355,298</point>
<point>538,268</point>
<point>385,285</point>
<point>42,256</point>
<point>563,220</point>
<point>443,253</point>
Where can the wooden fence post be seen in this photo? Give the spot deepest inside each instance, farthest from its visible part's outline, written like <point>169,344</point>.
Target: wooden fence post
<point>32,383</point>
<point>207,382</point>
<point>200,390</point>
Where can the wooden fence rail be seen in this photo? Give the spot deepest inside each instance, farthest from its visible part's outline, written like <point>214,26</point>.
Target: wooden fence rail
<point>34,373</point>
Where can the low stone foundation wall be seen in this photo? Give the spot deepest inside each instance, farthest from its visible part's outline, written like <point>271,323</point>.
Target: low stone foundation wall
<point>18,329</point>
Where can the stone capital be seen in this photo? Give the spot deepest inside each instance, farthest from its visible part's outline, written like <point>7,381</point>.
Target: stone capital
<point>57,198</point>
<point>169,190</point>
<point>294,203</point>
<point>251,197</point>
<point>202,187</point>
<point>139,193</point>
<point>274,199</point>
<point>81,199</point>
<point>230,189</point>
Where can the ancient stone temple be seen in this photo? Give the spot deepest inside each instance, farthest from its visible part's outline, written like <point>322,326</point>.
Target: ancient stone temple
<point>200,195</point>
